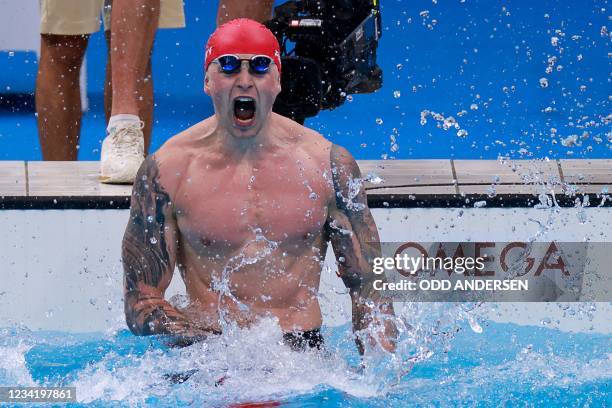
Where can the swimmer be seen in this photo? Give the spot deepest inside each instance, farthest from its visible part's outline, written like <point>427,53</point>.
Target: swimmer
<point>245,203</point>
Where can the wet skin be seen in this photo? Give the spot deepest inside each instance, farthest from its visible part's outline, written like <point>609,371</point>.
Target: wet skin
<point>251,208</point>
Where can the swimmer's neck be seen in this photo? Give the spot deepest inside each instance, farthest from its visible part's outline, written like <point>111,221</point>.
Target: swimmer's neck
<point>230,144</point>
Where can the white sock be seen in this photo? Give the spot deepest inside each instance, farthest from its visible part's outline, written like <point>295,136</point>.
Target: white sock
<point>124,119</point>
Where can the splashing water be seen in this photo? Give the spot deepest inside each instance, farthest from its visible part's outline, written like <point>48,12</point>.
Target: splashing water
<point>354,187</point>
<point>445,123</point>
<point>334,225</point>
<point>441,344</point>
<point>239,365</point>
<point>374,178</point>
<point>263,248</point>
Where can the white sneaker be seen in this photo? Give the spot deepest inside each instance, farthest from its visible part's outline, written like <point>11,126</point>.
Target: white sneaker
<point>122,154</point>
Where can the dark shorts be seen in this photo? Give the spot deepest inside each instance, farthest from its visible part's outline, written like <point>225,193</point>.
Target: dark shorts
<point>298,341</point>
<point>301,341</point>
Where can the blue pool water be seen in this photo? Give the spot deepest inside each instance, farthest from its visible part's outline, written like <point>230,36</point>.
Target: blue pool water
<point>477,61</point>
<point>505,365</point>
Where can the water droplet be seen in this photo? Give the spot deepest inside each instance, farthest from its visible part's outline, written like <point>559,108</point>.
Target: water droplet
<point>491,191</point>
<point>153,240</point>
<point>397,94</point>
<point>476,328</point>
<point>474,106</point>
<point>150,218</point>
<point>313,196</point>
<point>374,178</point>
<point>379,121</point>
<point>462,133</point>
<point>543,83</point>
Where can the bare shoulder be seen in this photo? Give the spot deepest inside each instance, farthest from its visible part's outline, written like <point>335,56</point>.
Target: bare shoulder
<point>305,139</point>
<point>176,153</point>
<point>342,160</point>
<point>184,142</point>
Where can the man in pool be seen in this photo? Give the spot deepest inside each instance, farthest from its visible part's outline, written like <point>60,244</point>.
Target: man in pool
<point>245,203</point>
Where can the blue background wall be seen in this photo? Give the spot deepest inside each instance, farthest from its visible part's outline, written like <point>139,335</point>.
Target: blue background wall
<point>484,58</point>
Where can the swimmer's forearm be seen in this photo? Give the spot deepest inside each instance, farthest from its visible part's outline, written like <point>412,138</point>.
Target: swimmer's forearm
<point>149,316</point>
<point>373,319</point>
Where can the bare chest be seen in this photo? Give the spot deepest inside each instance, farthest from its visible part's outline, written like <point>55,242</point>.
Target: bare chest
<point>225,207</point>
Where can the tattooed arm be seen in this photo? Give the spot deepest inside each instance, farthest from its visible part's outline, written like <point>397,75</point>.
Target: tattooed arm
<point>149,255</point>
<point>355,241</point>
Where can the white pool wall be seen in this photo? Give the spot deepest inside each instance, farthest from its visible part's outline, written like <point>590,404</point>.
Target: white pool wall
<point>61,269</point>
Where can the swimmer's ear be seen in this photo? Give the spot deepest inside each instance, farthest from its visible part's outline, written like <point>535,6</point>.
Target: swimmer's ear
<point>278,82</point>
<point>206,86</point>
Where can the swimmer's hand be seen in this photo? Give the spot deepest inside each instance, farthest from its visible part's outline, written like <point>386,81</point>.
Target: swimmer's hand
<point>388,338</point>
<point>383,331</point>
<point>147,313</point>
<point>376,328</point>
<point>189,335</point>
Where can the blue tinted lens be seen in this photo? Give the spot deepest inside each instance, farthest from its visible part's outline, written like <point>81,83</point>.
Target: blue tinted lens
<point>229,64</point>
<point>260,65</point>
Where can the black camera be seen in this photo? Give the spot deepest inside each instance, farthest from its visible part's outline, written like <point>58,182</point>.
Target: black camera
<point>328,51</point>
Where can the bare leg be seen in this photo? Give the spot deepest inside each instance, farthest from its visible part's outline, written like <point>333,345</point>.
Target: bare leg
<point>133,25</point>
<point>259,10</point>
<point>108,80</point>
<point>58,97</point>
<point>145,90</point>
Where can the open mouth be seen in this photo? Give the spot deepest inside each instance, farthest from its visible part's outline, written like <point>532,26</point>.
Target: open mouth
<point>244,109</point>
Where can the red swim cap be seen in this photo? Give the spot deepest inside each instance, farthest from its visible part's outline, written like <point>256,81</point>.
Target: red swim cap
<point>242,36</point>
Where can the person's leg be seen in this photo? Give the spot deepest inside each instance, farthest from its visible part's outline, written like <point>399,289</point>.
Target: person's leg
<point>259,10</point>
<point>144,96</point>
<point>58,98</point>
<point>133,27</point>
<point>108,80</point>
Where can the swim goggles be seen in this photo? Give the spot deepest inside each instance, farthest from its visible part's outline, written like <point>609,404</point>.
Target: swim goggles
<point>231,64</point>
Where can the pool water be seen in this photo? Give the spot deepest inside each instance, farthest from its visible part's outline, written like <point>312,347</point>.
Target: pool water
<point>505,364</point>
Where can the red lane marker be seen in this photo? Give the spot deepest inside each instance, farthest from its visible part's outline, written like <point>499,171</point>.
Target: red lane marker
<point>265,404</point>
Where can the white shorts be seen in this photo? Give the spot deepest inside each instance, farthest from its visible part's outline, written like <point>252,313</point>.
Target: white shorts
<point>75,17</point>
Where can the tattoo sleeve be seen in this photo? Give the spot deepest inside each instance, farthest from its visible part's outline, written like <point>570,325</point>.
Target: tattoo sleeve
<point>354,238</point>
<point>148,256</point>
